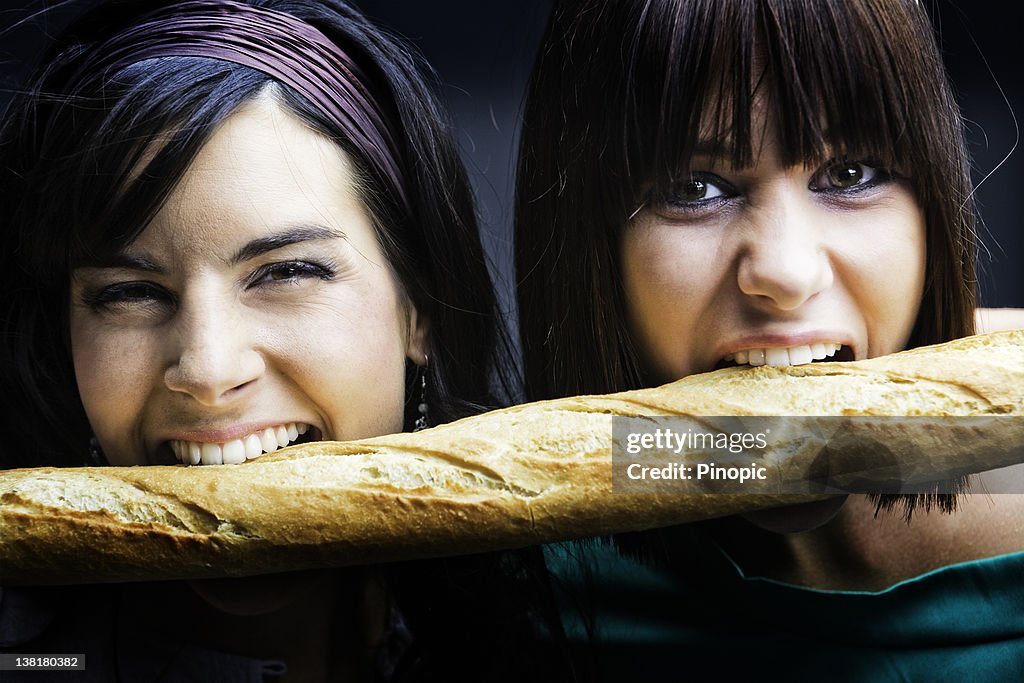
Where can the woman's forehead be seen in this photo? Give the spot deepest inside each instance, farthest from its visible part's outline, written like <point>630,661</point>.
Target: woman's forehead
<point>264,166</point>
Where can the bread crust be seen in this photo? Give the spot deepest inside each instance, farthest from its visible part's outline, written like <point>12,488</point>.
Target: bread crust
<point>527,474</point>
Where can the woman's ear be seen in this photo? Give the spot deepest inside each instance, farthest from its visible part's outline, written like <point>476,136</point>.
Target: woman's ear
<point>419,331</point>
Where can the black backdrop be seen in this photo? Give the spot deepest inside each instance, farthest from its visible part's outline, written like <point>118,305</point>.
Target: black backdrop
<point>482,52</point>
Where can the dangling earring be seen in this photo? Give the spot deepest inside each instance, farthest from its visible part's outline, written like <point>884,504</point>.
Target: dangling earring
<point>422,422</point>
<point>96,456</point>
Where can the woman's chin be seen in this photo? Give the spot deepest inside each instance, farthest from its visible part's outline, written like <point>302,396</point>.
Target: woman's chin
<point>257,595</point>
<point>793,519</point>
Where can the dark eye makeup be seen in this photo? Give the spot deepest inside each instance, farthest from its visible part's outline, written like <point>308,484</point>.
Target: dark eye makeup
<point>699,191</point>
<point>849,177</point>
<point>702,192</point>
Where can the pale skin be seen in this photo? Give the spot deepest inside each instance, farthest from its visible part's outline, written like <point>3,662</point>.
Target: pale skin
<point>784,257</point>
<point>257,297</point>
<point>784,266</point>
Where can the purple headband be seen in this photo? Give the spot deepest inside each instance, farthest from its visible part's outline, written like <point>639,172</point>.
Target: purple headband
<point>275,43</point>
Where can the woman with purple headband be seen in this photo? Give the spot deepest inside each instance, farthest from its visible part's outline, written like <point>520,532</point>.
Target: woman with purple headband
<point>230,226</point>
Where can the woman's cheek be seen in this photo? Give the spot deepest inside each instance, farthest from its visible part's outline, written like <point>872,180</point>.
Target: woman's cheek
<point>670,275</point>
<point>347,356</point>
<point>113,372</point>
<point>888,272</point>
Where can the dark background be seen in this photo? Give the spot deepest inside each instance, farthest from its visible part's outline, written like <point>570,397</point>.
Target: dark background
<point>482,52</point>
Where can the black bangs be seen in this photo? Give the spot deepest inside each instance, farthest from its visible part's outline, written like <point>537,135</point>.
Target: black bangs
<point>625,93</point>
<point>703,72</point>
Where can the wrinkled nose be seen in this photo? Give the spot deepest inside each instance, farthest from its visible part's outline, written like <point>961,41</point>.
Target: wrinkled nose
<point>784,261</point>
<point>213,352</point>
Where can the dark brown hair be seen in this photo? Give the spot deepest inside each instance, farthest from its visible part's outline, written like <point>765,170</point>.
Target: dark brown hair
<point>621,93</point>
<point>74,136</point>
<point>76,133</point>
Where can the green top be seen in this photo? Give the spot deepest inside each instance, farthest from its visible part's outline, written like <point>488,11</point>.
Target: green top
<point>964,622</point>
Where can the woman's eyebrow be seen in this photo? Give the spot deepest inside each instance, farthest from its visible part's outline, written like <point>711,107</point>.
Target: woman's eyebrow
<point>121,260</point>
<point>303,233</point>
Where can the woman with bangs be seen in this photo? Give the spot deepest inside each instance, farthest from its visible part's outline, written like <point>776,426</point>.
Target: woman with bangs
<point>708,183</point>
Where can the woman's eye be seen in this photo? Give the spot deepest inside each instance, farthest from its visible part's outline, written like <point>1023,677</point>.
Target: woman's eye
<point>127,294</point>
<point>292,271</point>
<point>846,175</point>
<point>696,190</point>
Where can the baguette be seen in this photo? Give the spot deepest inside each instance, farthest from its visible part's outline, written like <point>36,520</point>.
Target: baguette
<point>528,474</point>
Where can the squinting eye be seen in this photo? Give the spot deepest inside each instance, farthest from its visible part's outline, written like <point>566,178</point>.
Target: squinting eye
<point>126,294</point>
<point>136,290</point>
<point>844,175</point>
<point>292,271</point>
<point>285,271</point>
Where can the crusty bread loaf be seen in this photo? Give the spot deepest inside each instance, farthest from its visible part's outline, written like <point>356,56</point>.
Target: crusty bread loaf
<point>527,474</point>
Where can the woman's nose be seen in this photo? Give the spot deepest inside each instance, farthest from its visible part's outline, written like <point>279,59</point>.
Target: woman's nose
<point>784,260</point>
<point>213,351</point>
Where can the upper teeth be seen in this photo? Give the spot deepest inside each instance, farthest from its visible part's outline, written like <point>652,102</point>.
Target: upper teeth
<point>238,450</point>
<point>778,357</point>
